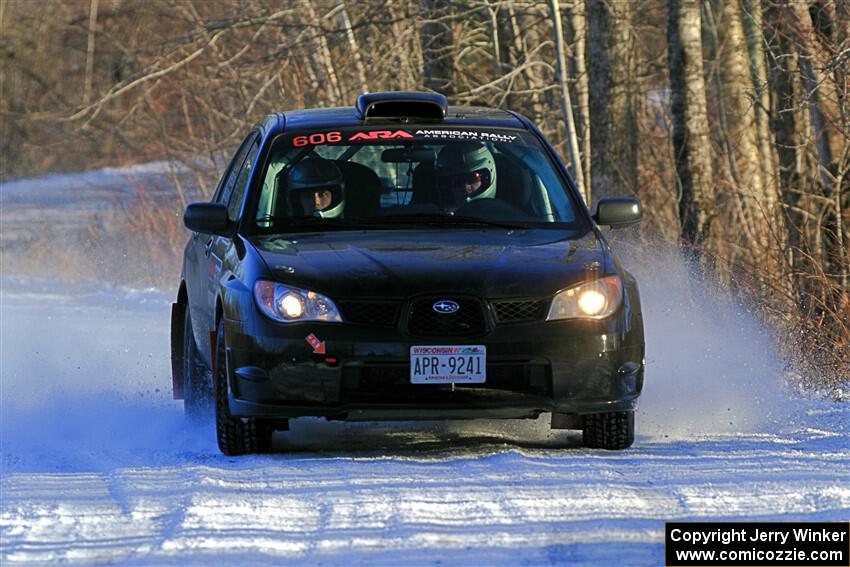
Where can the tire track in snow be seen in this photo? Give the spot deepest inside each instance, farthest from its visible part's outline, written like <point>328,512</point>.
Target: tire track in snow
<point>326,508</point>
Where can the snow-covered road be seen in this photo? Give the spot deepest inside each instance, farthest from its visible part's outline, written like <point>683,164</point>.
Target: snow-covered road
<point>98,465</point>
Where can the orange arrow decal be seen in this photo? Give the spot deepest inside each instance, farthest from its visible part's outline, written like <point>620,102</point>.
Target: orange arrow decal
<point>318,345</point>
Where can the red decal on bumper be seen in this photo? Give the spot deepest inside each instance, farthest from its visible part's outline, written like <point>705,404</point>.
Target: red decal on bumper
<point>318,345</point>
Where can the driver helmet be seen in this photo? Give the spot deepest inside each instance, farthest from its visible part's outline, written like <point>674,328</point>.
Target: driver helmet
<point>466,171</point>
<point>317,187</point>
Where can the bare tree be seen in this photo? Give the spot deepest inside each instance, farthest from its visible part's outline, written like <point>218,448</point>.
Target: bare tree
<point>691,140</point>
<point>757,195</point>
<point>578,23</point>
<point>754,24</point>
<point>321,56</point>
<point>436,38</point>
<point>612,108</point>
<point>345,27</point>
<point>566,105</point>
<point>90,51</point>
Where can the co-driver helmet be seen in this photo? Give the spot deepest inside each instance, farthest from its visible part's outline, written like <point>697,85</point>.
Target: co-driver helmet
<point>466,171</point>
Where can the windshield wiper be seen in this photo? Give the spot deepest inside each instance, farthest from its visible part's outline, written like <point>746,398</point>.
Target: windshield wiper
<point>440,219</point>
<point>308,222</point>
<point>311,223</point>
<point>272,218</point>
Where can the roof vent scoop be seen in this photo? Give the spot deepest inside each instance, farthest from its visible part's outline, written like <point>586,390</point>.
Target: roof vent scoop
<point>401,105</point>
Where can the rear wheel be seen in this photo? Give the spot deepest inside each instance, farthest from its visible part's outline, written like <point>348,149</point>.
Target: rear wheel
<point>236,435</point>
<point>197,378</point>
<point>612,430</point>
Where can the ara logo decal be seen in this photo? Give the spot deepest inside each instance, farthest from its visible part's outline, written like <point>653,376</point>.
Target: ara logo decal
<point>380,135</point>
<point>321,138</point>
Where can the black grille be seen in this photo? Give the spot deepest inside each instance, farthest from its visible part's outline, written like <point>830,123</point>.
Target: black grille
<point>516,311</point>
<point>467,321</point>
<point>380,313</point>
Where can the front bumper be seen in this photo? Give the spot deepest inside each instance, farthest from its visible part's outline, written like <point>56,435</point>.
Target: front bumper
<point>577,367</point>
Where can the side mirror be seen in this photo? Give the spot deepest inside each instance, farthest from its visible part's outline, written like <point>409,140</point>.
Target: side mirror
<point>618,211</point>
<point>208,218</point>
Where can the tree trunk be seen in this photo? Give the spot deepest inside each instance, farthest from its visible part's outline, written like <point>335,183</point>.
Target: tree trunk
<point>578,22</point>
<point>345,26</point>
<point>493,12</point>
<point>322,56</point>
<point>821,95</point>
<point>786,122</point>
<point>758,196</point>
<point>90,52</point>
<point>437,41</point>
<point>825,99</point>
<point>516,53</point>
<point>691,140</point>
<point>753,25</point>
<point>406,52</point>
<point>529,37</point>
<point>566,105</point>
<point>612,108</point>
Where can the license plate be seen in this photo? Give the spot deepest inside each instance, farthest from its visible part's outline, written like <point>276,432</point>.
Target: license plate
<point>454,364</point>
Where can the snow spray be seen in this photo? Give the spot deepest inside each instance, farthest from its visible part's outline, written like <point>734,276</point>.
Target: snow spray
<point>711,368</point>
<point>84,376</point>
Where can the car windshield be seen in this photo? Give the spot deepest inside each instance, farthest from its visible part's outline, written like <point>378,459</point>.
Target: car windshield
<point>423,176</point>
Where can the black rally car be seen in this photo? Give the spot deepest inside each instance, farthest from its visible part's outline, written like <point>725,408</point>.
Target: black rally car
<point>400,260</point>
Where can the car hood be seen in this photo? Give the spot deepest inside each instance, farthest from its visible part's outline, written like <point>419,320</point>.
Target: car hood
<point>396,264</point>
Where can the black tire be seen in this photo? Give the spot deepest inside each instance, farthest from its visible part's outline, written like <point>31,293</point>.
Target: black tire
<point>197,377</point>
<point>236,435</point>
<point>613,430</point>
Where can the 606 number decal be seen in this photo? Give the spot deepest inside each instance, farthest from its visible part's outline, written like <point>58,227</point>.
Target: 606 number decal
<point>320,138</point>
<point>317,139</point>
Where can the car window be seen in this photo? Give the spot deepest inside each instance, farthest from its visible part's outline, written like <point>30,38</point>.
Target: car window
<point>357,175</point>
<point>228,181</point>
<point>234,205</point>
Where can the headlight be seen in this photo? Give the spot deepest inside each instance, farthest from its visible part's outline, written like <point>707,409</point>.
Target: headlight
<point>289,304</point>
<point>591,300</point>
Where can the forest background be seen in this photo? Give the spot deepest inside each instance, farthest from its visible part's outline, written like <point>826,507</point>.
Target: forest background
<point>728,119</point>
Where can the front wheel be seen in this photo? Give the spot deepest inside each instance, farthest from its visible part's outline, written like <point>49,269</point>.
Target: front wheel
<point>236,435</point>
<point>612,430</point>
